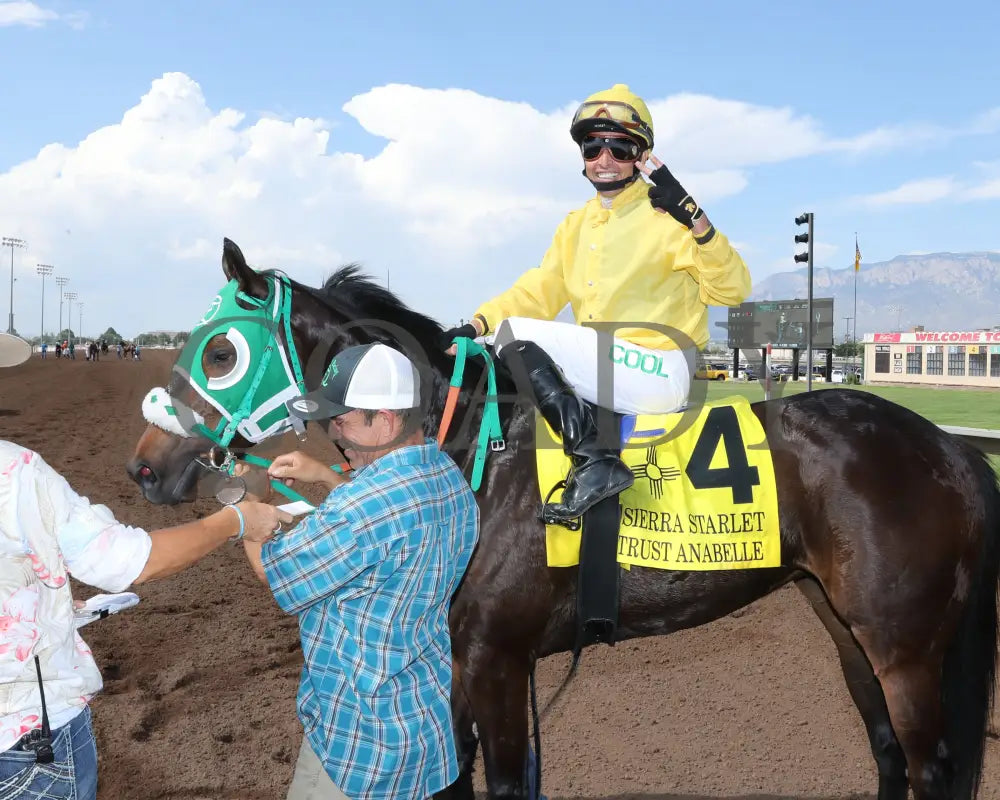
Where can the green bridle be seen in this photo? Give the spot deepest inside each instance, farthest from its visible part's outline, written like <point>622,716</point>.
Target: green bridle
<point>251,397</point>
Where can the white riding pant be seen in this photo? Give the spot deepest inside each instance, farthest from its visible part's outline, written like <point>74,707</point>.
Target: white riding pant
<point>605,370</point>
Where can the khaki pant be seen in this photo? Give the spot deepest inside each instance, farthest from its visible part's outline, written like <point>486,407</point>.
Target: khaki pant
<point>310,781</point>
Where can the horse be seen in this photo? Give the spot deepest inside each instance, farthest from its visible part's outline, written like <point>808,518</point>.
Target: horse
<point>907,590</point>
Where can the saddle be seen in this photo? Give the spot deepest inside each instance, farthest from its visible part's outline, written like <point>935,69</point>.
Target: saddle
<point>704,498</point>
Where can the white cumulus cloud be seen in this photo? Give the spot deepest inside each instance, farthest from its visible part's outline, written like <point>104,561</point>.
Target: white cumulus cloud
<point>453,203</point>
<point>22,12</point>
<point>927,190</point>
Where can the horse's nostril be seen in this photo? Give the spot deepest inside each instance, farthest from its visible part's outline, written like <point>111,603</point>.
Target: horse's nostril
<point>141,473</point>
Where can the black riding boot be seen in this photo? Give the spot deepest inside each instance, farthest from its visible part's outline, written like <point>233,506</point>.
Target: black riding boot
<point>597,472</point>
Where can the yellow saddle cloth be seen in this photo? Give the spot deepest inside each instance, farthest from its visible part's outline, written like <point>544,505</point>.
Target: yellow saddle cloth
<point>704,496</point>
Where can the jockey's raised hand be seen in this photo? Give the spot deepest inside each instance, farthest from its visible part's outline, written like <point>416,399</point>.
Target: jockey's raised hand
<point>668,196</point>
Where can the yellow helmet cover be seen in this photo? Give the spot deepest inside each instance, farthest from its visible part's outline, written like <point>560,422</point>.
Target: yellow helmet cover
<point>618,110</point>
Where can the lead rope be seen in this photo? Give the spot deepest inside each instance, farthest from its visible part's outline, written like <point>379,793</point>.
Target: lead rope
<point>490,433</point>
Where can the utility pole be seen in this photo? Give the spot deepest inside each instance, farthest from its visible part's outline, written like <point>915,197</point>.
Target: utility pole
<point>847,328</point>
<point>807,238</point>
<point>62,282</point>
<point>70,297</point>
<point>43,270</point>
<point>11,242</point>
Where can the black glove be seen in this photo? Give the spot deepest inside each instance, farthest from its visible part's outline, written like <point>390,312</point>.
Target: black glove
<point>467,331</point>
<point>668,195</point>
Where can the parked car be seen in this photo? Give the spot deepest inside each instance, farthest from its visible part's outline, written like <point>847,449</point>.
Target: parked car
<point>712,372</point>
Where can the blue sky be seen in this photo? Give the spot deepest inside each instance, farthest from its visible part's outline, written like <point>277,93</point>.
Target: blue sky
<point>880,118</point>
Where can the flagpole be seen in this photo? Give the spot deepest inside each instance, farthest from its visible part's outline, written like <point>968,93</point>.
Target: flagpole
<point>857,266</point>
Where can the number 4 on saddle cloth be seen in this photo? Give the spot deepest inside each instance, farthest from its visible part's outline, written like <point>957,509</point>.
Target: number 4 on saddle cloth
<point>704,496</point>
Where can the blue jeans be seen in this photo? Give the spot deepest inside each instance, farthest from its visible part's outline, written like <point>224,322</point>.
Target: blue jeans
<point>72,775</point>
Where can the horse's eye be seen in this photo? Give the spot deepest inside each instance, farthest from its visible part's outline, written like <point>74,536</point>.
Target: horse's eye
<point>220,356</point>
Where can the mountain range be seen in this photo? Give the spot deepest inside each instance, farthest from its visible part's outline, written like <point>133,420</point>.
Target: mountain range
<point>940,291</point>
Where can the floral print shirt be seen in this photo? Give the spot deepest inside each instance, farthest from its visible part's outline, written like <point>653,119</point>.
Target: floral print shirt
<point>46,532</point>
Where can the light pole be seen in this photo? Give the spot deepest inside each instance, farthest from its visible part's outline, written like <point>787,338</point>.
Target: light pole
<point>43,270</point>
<point>79,317</point>
<point>70,297</point>
<point>9,241</point>
<point>847,329</point>
<point>62,282</point>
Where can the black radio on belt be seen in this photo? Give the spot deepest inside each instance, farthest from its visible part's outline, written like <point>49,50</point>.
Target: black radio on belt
<point>40,744</point>
<point>39,741</point>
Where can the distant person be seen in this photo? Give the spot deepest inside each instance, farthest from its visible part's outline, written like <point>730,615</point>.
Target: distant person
<point>49,533</point>
<point>59,350</point>
<point>135,352</point>
<point>45,349</point>
<point>119,349</point>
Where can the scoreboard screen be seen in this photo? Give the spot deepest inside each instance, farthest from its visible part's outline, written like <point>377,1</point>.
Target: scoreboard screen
<point>783,323</point>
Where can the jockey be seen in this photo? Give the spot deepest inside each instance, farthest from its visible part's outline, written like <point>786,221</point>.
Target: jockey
<point>634,254</point>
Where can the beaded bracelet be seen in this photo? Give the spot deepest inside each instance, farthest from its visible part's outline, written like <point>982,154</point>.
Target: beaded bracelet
<point>243,523</point>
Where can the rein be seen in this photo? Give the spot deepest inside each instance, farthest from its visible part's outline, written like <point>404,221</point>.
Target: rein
<point>490,434</point>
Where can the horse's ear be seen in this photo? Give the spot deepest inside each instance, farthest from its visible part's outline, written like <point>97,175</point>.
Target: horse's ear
<point>234,266</point>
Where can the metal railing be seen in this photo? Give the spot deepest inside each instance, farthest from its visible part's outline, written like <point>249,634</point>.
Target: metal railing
<point>986,440</point>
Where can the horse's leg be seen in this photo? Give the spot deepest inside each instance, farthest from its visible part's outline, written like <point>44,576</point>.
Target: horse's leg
<point>497,685</point>
<point>913,695</point>
<point>867,694</point>
<point>466,742</point>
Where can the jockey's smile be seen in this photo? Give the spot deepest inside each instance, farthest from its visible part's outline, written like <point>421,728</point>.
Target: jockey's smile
<point>606,168</point>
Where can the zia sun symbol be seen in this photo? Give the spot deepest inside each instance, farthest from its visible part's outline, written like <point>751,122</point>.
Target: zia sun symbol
<point>654,473</point>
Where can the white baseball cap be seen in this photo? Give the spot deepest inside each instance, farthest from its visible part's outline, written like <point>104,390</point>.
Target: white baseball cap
<point>369,376</point>
<point>13,350</point>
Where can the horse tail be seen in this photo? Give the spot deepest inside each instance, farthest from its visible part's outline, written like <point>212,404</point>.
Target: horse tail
<point>971,661</point>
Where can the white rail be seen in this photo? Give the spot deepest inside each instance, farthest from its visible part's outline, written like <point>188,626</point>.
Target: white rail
<point>986,440</point>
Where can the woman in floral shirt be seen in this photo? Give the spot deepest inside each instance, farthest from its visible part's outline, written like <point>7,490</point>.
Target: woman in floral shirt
<point>47,532</point>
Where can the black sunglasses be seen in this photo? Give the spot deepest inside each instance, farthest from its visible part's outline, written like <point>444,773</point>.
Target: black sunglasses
<point>620,149</point>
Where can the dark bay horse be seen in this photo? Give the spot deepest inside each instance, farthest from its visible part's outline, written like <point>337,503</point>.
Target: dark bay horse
<point>889,526</point>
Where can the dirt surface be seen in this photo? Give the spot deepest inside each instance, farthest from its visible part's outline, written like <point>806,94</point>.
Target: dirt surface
<point>200,678</point>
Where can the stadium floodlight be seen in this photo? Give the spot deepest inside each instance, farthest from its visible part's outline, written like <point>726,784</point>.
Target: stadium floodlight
<point>61,282</point>
<point>70,297</point>
<point>43,270</point>
<point>12,243</point>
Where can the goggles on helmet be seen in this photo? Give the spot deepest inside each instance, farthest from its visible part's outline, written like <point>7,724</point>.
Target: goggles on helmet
<point>611,116</point>
<point>620,149</point>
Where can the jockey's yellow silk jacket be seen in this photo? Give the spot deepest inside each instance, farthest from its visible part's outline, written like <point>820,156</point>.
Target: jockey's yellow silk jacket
<point>629,263</point>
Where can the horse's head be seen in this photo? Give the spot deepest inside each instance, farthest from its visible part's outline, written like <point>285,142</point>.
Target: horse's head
<point>264,340</point>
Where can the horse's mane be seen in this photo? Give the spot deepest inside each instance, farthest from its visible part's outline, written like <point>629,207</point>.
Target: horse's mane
<point>354,295</point>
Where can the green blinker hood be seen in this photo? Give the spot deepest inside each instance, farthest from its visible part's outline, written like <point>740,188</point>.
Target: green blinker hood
<point>251,395</point>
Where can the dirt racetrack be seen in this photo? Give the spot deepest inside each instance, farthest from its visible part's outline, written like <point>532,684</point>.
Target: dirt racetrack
<point>200,678</point>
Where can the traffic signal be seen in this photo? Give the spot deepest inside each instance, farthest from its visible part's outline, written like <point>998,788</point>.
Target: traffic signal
<point>804,238</point>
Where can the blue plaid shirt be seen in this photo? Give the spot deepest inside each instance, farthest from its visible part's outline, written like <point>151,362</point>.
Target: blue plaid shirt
<point>370,575</point>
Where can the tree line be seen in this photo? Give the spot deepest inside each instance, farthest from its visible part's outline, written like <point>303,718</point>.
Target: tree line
<point>113,338</point>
